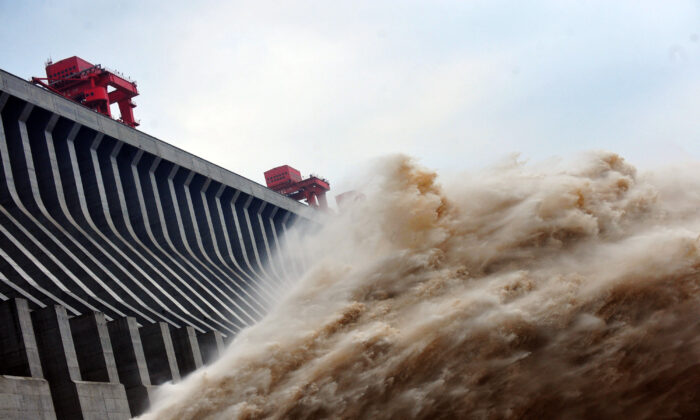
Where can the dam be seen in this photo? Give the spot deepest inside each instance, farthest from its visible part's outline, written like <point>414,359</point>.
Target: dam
<point>125,262</point>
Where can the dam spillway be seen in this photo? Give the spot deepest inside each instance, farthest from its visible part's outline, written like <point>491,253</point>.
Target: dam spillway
<point>150,251</point>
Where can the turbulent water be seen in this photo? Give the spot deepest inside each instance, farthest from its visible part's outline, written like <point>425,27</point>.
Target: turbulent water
<point>558,290</point>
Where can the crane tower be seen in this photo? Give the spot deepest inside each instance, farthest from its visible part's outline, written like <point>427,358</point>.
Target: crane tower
<point>92,86</point>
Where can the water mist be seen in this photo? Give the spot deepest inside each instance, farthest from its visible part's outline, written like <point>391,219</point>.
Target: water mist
<point>522,291</point>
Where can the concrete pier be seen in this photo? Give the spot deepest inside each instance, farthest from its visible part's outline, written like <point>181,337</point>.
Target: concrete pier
<point>53,366</point>
<point>131,363</point>
<point>24,393</point>
<point>73,398</point>
<point>186,350</point>
<point>160,353</point>
<point>19,354</point>
<point>94,348</point>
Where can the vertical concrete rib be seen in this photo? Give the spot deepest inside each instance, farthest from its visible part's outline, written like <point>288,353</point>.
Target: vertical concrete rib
<point>277,253</point>
<point>129,275</point>
<point>225,241</point>
<point>173,256</point>
<point>180,216</point>
<point>239,234</point>
<point>107,179</point>
<point>13,200</point>
<point>229,275</point>
<point>247,240</point>
<point>38,202</point>
<point>139,256</point>
<point>217,237</point>
<point>66,214</point>
<point>56,254</point>
<point>40,225</point>
<point>193,298</point>
<point>253,240</point>
<point>269,256</point>
<point>264,283</point>
<point>165,234</point>
<point>27,174</point>
<point>241,316</point>
<point>227,210</point>
<point>220,240</point>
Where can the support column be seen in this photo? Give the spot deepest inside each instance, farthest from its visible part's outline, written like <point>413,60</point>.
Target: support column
<point>131,363</point>
<point>159,352</point>
<point>19,354</point>
<point>24,394</point>
<point>73,398</point>
<point>58,359</point>
<point>211,345</point>
<point>94,348</point>
<point>187,352</point>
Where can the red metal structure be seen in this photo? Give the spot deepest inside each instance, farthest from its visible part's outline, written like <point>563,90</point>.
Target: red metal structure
<point>287,180</point>
<point>91,85</point>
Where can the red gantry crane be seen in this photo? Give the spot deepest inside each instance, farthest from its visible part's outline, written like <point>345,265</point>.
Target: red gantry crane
<point>287,180</point>
<point>91,85</point>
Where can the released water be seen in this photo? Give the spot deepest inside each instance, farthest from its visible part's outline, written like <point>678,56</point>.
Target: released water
<point>558,290</point>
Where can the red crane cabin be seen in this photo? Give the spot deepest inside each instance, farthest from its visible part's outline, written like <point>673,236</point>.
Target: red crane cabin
<point>89,84</point>
<point>287,180</point>
<point>282,176</point>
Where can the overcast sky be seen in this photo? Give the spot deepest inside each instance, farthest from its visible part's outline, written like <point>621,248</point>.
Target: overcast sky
<point>326,86</point>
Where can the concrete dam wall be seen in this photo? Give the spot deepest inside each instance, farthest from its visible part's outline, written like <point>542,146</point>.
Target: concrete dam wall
<point>119,256</point>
